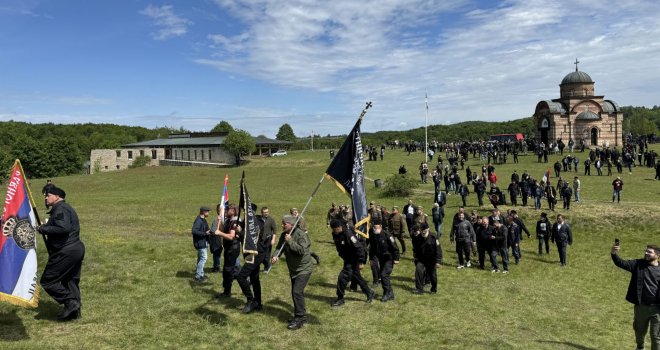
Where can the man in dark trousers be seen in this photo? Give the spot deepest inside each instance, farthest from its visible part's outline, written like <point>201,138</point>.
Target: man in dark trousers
<point>384,252</point>
<point>543,233</point>
<point>61,277</point>
<point>200,235</point>
<point>267,229</point>
<point>464,235</point>
<point>513,237</point>
<point>500,246</point>
<point>643,293</point>
<point>231,242</point>
<point>562,236</point>
<point>428,257</point>
<point>409,211</point>
<point>248,276</point>
<point>520,223</point>
<point>296,246</point>
<point>397,227</point>
<point>215,242</point>
<point>484,242</point>
<point>351,250</point>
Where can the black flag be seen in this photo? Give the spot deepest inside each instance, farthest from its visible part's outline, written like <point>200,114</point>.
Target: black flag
<point>347,171</point>
<point>251,235</point>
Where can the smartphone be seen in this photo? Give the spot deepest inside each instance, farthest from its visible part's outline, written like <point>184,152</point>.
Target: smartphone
<point>617,242</point>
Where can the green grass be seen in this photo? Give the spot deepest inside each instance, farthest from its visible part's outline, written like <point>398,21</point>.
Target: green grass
<point>137,289</point>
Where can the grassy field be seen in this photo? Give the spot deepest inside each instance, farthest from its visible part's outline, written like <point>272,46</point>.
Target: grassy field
<point>137,288</point>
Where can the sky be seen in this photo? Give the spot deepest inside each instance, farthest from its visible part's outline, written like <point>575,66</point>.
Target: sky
<point>258,64</point>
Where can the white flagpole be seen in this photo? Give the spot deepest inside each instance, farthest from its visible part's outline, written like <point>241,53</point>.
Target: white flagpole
<point>426,128</point>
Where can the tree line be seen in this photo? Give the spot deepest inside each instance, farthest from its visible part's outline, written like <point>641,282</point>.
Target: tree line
<point>49,150</point>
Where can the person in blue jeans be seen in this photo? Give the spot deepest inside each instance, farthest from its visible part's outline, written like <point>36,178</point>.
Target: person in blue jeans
<point>538,195</point>
<point>200,233</point>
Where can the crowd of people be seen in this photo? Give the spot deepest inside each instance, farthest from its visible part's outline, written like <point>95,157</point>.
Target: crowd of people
<point>477,240</point>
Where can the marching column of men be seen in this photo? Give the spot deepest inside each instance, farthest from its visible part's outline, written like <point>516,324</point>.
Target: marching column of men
<point>492,235</point>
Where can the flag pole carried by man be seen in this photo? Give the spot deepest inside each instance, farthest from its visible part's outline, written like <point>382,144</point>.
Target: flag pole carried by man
<point>347,171</point>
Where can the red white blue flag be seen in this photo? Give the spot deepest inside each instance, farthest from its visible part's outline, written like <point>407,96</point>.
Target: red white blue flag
<point>225,198</point>
<point>546,176</point>
<point>18,253</point>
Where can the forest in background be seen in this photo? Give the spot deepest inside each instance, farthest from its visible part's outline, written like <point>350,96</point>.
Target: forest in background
<point>49,150</point>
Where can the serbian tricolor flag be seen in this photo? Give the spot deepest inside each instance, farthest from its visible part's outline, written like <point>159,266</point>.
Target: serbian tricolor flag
<point>18,253</point>
<point>546,176</point>
<point>225,198</point>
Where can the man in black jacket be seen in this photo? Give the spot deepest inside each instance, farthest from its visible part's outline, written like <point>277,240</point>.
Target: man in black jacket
<point>484,242</point>
<point>248,276</point>
<point>543,233</point>
<point>200,236</point>
<point>384,252</point>
<point>500,246</point>
<point>643,292</point>
<point>562,235</point>
<point>464,235</point>
<point>66,252</point>
<point>351,250</point>
<point>232,235</point>
<point>428,257</point>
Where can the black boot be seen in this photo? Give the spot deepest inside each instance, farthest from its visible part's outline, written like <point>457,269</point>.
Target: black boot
<point>71,310</point>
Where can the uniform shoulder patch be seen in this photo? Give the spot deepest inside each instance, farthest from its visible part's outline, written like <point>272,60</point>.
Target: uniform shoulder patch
<point>354,239</point>
<point>437,243</point>
<point>392,239</point>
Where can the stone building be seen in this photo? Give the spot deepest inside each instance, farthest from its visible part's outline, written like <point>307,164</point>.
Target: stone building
<point>201,149</point>
<point>579,114</point>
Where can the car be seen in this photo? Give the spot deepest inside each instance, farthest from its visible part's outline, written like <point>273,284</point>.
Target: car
<point>279,153</point>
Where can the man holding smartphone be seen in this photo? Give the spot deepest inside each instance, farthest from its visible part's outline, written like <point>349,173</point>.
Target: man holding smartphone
<point>643,292</point>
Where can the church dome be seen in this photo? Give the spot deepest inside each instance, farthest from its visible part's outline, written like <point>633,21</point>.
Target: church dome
<point>577,77</point>
<point>587,115</point>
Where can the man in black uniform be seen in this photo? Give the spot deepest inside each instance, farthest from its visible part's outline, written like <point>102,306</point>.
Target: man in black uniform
<point>231,242</point>
<point>428,257</point>
<point>351,250</point>
<point>61,277</point>
<point>562,235</point>
<point>484,243</point>
<point>248,276</point>
<point>384,252</point>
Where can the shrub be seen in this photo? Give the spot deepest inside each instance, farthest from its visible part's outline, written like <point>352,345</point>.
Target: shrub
<point>140,162</point>
<point>399,186</point>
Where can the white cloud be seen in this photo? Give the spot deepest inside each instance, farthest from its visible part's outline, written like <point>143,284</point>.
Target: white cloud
<point>476,63</point>
<point>170,24</point>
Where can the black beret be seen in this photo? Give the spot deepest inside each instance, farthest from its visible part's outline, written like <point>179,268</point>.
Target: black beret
<point>54,190</point>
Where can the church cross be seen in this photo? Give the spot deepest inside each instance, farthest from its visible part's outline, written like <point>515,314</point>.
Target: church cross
<point>576,64</point>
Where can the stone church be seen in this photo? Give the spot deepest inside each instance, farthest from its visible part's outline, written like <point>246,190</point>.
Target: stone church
<point>579,114</point>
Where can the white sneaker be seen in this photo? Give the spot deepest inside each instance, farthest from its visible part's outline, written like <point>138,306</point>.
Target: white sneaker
<point>505,271</point>
<point>468,264</point>
<point>460,266</point>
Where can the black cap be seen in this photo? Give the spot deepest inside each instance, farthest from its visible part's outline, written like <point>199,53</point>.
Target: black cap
<point>54,190</point>
<point>335,223</point>
<point>203,209</point>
